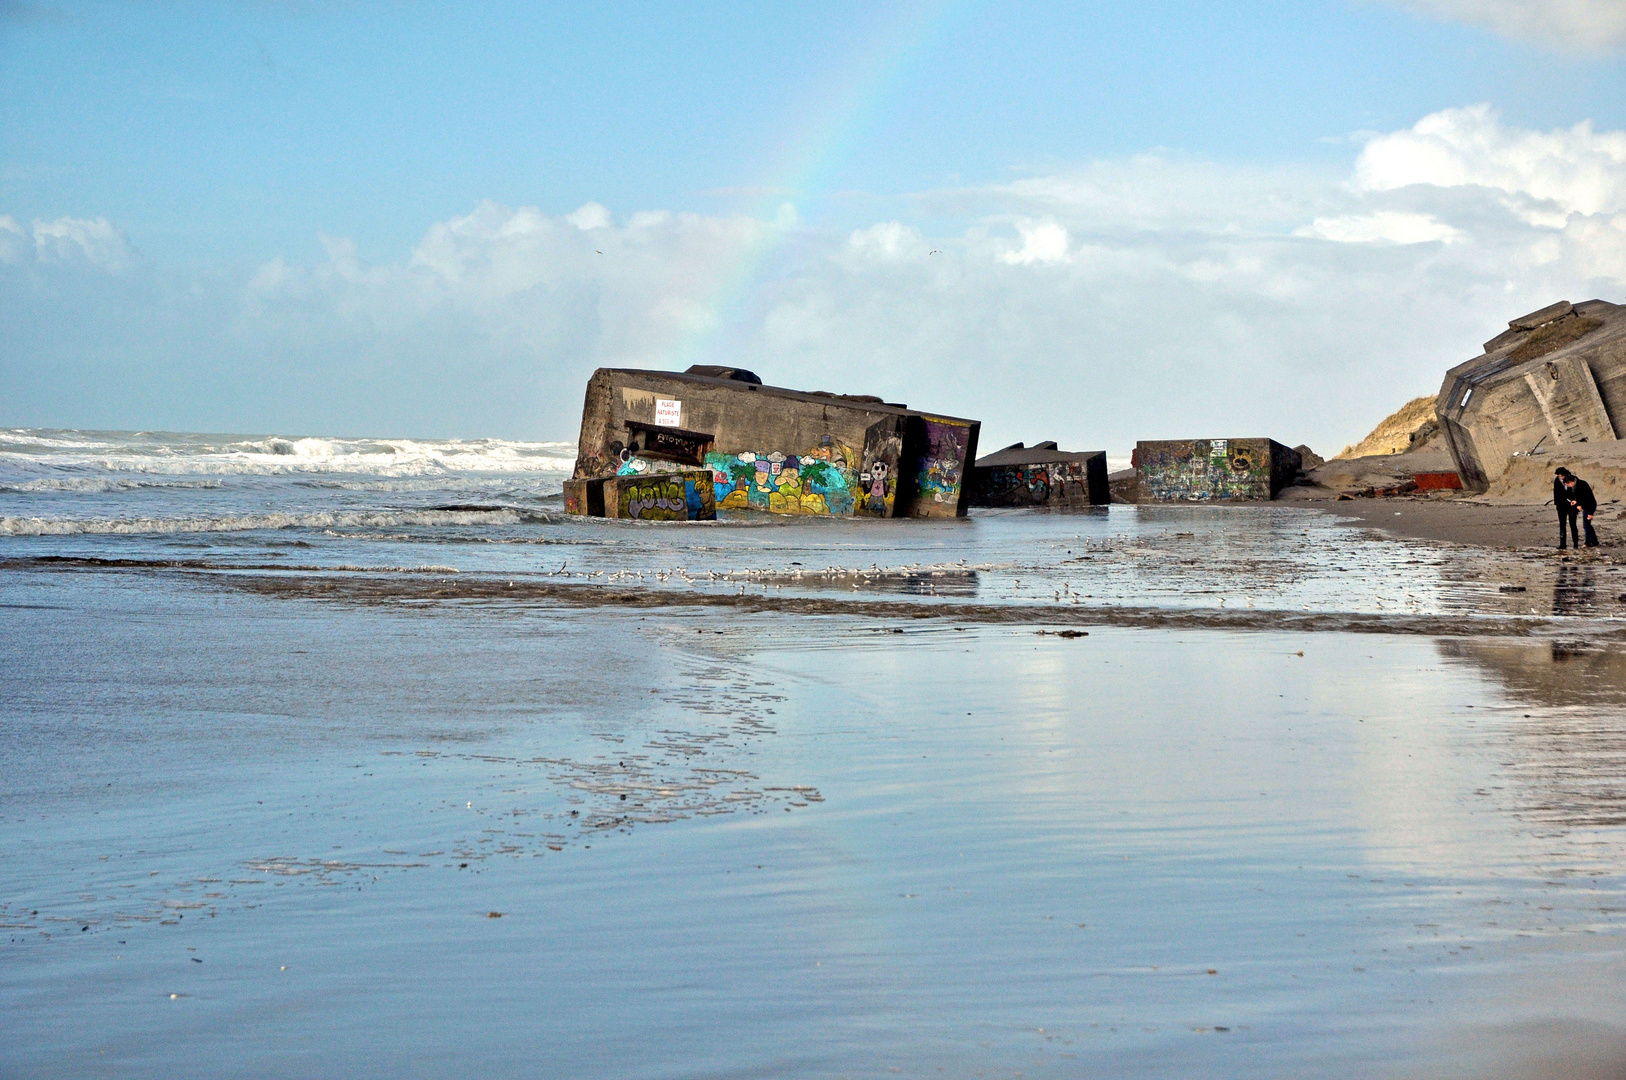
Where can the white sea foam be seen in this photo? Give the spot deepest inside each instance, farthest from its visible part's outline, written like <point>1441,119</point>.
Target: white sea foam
<point>37,526</point>
<point>26,452</point>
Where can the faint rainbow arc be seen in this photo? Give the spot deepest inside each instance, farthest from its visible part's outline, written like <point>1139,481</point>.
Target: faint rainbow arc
<point>895,50</point>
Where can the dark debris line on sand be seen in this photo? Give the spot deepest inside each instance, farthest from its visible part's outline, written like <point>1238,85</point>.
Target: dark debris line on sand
<point>359,586</point>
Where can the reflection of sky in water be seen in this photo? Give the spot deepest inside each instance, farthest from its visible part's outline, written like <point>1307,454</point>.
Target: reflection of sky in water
<point>956,848</point>
<point>1221,558</point>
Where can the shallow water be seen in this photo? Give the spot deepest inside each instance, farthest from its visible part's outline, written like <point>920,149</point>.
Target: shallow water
<point>776,798</point>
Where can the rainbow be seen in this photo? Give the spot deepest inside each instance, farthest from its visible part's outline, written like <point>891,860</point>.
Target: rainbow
<point>839,119</point>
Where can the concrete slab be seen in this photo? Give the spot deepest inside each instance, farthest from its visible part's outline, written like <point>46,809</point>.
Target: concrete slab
<point>1041,475</point>
<point>1213,470</point>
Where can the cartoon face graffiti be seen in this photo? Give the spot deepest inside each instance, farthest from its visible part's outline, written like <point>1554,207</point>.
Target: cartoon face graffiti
<point>877,480</point>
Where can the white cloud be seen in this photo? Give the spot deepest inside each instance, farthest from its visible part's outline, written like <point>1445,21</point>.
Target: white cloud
<point>14,245</point>
<point>1142,297</point>
<point>889,240</point>
<point>1569,25</point>
<point>1042,242</point>
<point>590,216</point>
<point>95,243</point>
<point>1381,227</point>
<point>1550,174</point>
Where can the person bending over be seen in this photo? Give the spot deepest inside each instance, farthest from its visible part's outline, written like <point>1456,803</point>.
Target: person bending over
<point>1566,509</point>
<point>1582,500</point>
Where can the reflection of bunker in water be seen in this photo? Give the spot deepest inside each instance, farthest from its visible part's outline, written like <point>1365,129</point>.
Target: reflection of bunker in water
<point>1561,672</point>
<point>1039,475</point>
<point>768,448</point>
<point>1570,758</point>
<point>1213,470</point>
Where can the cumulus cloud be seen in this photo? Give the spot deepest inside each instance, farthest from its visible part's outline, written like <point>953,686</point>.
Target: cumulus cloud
<point>1569,25</point>
<point>1042,242</point>
<point>1549,174</point>
<point>96,243</point>
<point>1142,297</point>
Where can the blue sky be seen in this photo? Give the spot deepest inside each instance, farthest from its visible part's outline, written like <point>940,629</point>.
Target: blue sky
<point>369,218</point>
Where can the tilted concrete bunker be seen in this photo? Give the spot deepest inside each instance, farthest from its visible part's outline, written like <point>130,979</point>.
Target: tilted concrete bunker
<point>1213,470</point>
<point>1039,475</point>
<point>1555,377</point>
<point>769,448</point>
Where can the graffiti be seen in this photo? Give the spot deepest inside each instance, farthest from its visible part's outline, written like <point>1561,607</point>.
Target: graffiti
<point>656,500</point>
<point>1015,485</point>
<point>817,482</point>
<point>672,497</point>
<point>876,492</point>
<point>1200,470</point>
<point>939,477</point>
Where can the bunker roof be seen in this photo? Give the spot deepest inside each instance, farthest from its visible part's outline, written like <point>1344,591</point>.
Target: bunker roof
<point>1040,454</point>
<point>863,401</point>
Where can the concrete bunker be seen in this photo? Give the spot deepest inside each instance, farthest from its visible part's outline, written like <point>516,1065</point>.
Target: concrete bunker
<point>1213,470</point>
<point>1555,377</point>
<point>1039,475</point>
<point>767,447</point>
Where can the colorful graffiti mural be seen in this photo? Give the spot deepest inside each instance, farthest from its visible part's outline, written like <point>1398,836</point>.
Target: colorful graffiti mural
<point>821,481</point>
<point>941,465</point>
<point>687,496</point>
<point>1197,470</point>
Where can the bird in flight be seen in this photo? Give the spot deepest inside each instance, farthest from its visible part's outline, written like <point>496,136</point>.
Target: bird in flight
<point>935,252</point>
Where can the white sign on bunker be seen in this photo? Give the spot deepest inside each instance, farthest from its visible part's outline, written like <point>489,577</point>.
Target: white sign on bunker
<point>668,413</point>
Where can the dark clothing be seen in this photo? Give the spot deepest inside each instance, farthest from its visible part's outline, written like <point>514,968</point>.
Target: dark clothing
<point>1581,503</point>
<point>1566,512</point>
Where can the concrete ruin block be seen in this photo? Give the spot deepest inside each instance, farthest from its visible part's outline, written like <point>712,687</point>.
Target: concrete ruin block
<point>1039,476</point>
<point>675,496</point>
<point>1555,378</point>
<point>1213,470</point>
<point>585,497</point>
<point>777,450</point>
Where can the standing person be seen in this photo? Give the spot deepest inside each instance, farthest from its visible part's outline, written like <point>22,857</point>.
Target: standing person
<point>1566,509</point>
<point>1582,499</point>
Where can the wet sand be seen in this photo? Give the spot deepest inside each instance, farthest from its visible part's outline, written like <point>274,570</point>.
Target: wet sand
<point>1233,792</point>
<point>1478,524</point>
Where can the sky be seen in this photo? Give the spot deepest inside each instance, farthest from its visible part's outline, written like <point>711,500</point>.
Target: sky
<point>1091,222</point>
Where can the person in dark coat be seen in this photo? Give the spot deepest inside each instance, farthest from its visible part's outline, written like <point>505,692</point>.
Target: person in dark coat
<point>1566,509</point>
<point>1581,498</point>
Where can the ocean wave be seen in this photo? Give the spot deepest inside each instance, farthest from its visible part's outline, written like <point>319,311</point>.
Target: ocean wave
<point>91,485</point>
<point>33,451</point>
<point>36,526</point>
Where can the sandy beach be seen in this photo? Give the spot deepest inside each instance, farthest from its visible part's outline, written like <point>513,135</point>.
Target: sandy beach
<point>1532,530</point>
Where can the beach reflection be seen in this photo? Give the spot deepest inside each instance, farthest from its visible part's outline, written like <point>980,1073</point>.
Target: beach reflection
<point>1570,759</point>
<point>1556,673</point>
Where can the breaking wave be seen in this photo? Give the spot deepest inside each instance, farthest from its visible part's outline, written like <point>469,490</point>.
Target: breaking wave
<point>33,455</point>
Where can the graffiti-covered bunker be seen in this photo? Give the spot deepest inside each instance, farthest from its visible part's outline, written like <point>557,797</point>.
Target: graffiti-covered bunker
<point>1199,470</point>
<point>1039,475</point>
<point>769,448</point>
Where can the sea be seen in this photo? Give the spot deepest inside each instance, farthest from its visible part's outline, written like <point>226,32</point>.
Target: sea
<point>340,757</point>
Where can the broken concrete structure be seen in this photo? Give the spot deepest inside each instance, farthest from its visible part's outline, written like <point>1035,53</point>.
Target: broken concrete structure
<point>676,496</point>
<point>1555,378</point>
<point>769,448</point>
<point>1039,476</point>
<point>1206,470</point>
